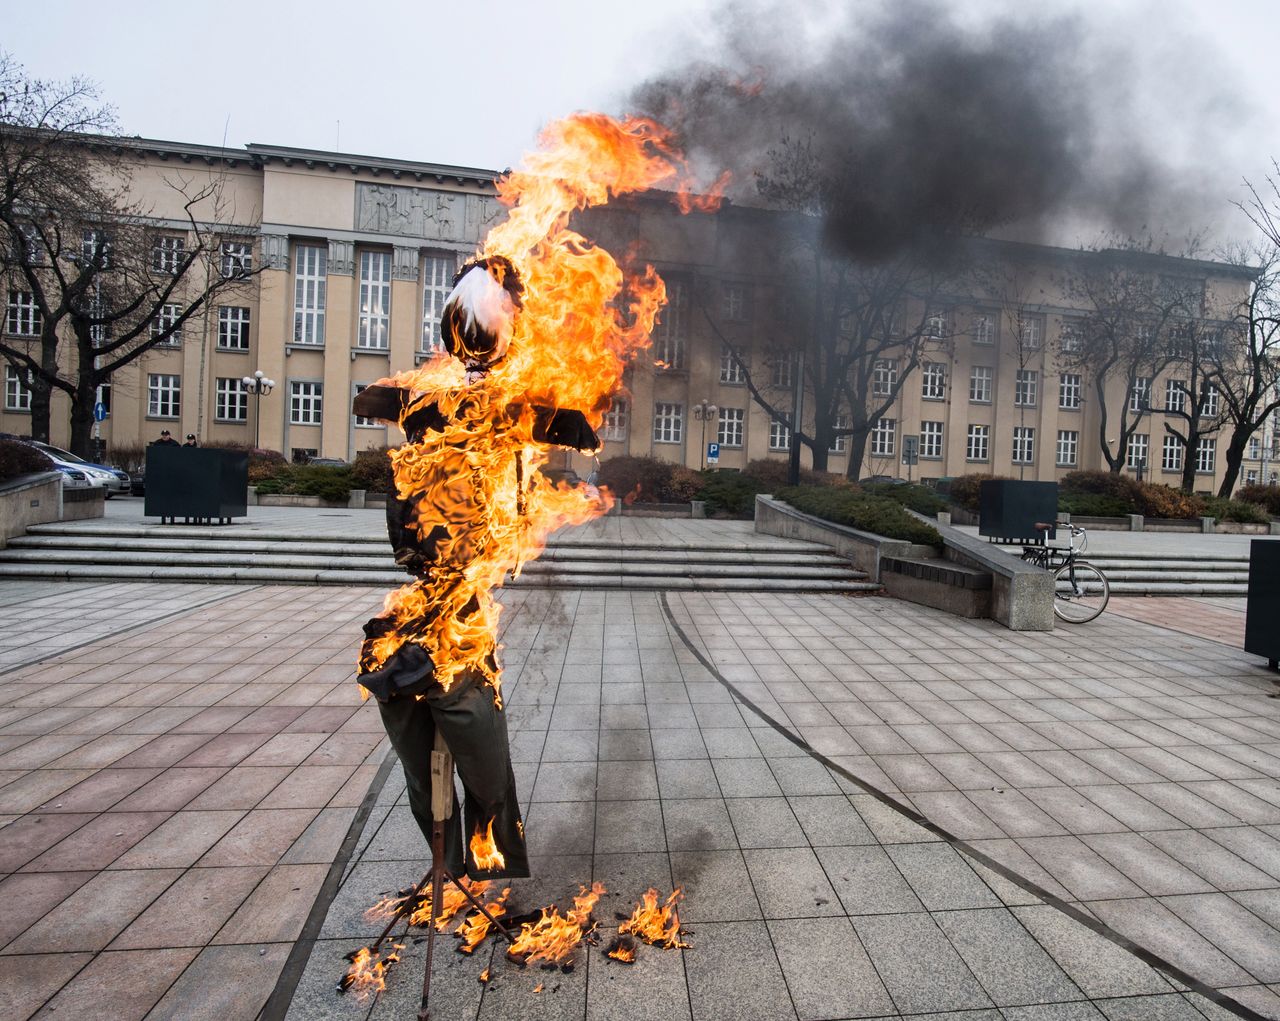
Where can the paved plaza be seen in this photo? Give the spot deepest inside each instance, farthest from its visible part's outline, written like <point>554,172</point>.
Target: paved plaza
<point>874,809</point>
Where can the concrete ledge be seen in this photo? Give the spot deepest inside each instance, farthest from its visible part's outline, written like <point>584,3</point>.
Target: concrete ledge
<point>1021,593</point>
<point>29,500</point>
<point>773,517</point>
<point>944,585</point>
<point>79,504</point>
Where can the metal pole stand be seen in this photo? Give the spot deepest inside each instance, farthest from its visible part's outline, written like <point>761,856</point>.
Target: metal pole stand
<point>441,811</point>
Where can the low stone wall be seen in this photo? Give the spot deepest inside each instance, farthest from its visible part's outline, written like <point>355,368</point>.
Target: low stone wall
<point>29,500</point>
<point>773,517</point>
<point>79,504</point>
<point>1021,593</point>
<point>942,584</point>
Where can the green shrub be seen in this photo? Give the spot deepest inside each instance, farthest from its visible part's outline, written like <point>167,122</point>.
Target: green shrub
<point>963,489</point>
<point>21,459</point>
<point>1263,496</point>
<point>730,493</point>
<point>332,484</point>
<point>1118,487</point>
<point>913,496</point>
<point>1094,505</point>
<point>846,505</point>
<point>372,471</point>
<point>1234,510</point>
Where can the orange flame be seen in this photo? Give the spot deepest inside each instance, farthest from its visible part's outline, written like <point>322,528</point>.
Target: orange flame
<point>485,852</point>
<point>553,937</point>
<point>475,927</point>
<point>452,900</point>
<point>623,948</point>
<point>484,975</point>
<point>657,926</point>
<point>475,486</point>
<point>368,972</point>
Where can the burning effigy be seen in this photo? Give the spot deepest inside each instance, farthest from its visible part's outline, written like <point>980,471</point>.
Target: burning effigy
<point>537,331</point>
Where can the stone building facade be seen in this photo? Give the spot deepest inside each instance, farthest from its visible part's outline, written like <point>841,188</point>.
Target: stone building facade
<point>357,254</point>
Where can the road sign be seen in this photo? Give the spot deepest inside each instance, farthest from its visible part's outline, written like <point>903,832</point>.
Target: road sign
<point>713,453</point>
<point>910,449</point>
<point>99,412</point>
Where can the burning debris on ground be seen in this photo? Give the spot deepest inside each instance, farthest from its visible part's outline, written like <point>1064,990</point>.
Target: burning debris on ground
<point>657,926</point>
<point>622,948</point>
<point>367,975</point>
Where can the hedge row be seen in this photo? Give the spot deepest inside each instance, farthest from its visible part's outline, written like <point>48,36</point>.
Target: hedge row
<point>849,505</point>
<point>21,459</point>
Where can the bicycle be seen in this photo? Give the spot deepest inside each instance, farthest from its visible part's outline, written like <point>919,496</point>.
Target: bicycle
<point>1080,590</point>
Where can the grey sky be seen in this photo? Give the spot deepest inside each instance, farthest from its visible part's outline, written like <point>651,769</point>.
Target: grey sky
<point>470,83</point>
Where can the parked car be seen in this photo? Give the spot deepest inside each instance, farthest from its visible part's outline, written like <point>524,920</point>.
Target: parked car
<point>73,478</point>
<point>113,480</point>
<point>329,462</point>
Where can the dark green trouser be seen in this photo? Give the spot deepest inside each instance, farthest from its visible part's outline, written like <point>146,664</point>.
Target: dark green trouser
<point>476,733</point>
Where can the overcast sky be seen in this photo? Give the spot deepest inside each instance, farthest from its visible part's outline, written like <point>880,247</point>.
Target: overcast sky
<point>469,84</point>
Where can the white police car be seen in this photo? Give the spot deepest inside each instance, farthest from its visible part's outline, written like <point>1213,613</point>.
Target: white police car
<point>113,480</point>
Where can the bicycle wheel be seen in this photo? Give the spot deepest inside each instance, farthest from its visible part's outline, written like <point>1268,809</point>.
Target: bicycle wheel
<point>1080,592</point>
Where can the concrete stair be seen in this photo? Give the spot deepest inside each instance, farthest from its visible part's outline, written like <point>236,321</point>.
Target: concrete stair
<point>1158,574</point>
<point>87,552</point>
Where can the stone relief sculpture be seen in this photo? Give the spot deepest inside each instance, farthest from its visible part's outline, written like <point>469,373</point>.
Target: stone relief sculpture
<point>424,213</point>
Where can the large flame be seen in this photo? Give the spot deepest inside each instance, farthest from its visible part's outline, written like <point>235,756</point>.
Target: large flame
<point>475,485</point>
<point>553,937</point>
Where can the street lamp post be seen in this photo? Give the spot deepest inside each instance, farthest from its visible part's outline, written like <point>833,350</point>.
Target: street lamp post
<point>258,385</point>
<point>703,411</point>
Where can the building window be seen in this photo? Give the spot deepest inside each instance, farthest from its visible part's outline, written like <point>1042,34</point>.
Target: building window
<point>1206,454</point>
<point>237,259</point>
<point>669,334</point>
<point>935,325</point>
<point>1171,454</point>
<point>884,376</point>
<point>17,389</point>
<point>840,443</point>
<point>375,300</point>
<point>1069,391</point>
<point>437,281</point>
<point>731,370</point>
<point>933,381</point>
<point>978,443</point>
<point>1029,333</point>
<point>1024,388</point>
<point>729,428</point>
<point>1072,337</point>
<point>735,303</point>
<point>980,384</point>
<point>883,436</point>
<point>1209,401</point>
<point>231,400</point>
<point>668,423</point>
<point>1024,444</point>
<point>100,331</point>
<point>95,249</point>
<point>305,402</point>
<point>931,439</point>
<point>1250,476</point>
<point>24,319</point>
<point>167,252</point>
<point>1139,451</point>
<point>1140,395</point>
<point>165,321</point>
<point>984,328</point>
<point>1068,447</point>
<point>779,436</point>
<point>783,369</point>
<point>233,328</point>
<point>1255,448</point>
<point>615,420</point>
<point>1175,395</point>
<point>164,395</point>
<point>311,269</point>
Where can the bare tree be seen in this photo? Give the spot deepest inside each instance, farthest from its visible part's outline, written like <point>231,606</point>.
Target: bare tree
<point>94,280</point>
<point>1193,405</point>
<point>1122,337</point>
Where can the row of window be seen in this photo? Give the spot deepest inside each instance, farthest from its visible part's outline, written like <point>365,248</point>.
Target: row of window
<point>168,252</point>
<point>23,319</point>
<point>669,426</point>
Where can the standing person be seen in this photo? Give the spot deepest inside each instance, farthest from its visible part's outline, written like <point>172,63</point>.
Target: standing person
<point>165,440</point>
<point>191,440</point>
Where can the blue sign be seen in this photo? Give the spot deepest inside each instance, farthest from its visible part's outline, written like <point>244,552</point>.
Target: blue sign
<point>99,412</point>
<point>713,453</point>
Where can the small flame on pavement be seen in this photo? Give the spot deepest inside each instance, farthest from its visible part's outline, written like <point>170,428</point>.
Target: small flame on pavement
<point>622,948</point>
<point>368,972</point>
<point>553,937</point>
<point>452,901</point>
<point>539,987</point>
<point>484,976</point>
<point>657,926</point>
<point>475,927</point>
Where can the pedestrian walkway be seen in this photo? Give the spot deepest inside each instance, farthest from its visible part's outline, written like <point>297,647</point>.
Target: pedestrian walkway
<point>1220,618</point>
<point>875,809</point>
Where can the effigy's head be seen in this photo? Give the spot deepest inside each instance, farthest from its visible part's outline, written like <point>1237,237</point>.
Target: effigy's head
<point>479,315</point>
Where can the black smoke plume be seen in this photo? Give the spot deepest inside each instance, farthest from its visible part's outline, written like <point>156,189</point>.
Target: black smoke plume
<point>902,127</point>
